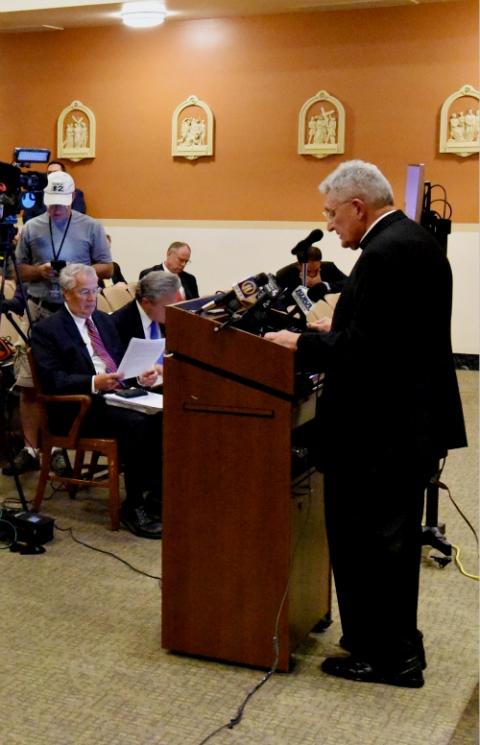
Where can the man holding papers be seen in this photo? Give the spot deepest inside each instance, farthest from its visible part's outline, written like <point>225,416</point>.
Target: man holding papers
<point>144,317</point>
<point>78,350</point>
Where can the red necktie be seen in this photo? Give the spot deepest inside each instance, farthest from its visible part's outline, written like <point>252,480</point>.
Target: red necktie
<point>99,347</point>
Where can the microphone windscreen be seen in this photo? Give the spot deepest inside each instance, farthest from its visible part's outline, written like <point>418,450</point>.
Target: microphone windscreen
<point>313,237</point>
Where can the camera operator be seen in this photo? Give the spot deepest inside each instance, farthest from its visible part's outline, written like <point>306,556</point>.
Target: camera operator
<point>78,202</point>
<point>61,235</point>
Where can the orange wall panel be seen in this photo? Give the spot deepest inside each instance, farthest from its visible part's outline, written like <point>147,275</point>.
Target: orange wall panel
<point>392,68</point>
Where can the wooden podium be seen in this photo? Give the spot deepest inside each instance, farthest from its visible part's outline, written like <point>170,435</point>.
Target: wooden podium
<point>239,534</point>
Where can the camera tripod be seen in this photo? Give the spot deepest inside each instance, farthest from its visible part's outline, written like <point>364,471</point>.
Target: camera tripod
<point>7,258</point>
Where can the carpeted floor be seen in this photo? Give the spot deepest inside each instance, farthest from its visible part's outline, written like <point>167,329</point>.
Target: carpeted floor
<point>82,663</point>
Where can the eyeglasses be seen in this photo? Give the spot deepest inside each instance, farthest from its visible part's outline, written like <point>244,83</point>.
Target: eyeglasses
<point>86,293</point>
<point>330,214</point>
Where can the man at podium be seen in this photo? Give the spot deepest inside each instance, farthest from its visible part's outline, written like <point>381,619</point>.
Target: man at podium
<point>390,410</point>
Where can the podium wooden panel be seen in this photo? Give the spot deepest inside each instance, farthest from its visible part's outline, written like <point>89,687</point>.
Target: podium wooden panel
<point>235,532</point>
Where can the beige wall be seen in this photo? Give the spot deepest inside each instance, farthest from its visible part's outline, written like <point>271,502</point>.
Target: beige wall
<point>391,67</point>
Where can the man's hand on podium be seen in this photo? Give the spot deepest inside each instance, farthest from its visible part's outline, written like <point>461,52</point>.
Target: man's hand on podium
<point>284,338</point>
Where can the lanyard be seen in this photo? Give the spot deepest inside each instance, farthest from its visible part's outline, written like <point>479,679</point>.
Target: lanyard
<point>57,254</point>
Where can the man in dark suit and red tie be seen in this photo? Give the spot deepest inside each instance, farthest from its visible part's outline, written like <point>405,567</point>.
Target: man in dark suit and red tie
<point>177,258</point>
<point>77,350</point>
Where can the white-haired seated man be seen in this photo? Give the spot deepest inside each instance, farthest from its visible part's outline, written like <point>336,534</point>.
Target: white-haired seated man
<point>77,350</point>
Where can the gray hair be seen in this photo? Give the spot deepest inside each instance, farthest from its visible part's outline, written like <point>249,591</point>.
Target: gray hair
<point>156,285</point>
<point>358,179</point>
<point>69,274</point>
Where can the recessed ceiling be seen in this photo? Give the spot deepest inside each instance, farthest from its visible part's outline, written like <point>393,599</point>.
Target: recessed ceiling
<point>20,16</point>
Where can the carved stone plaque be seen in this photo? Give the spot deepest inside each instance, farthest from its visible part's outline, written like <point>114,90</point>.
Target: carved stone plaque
<point>321,126</point>
<point>192,129</point>
<point>76,129</point>
<point>460,122</point>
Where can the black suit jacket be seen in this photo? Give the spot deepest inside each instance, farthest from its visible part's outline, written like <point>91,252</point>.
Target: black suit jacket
<point>65,366</point>
<point>64,363</point>
<point>390,386</point>
<point>62,358</point>
<point>289,278</point>
<point>189,282</point>
<point>128,323</point>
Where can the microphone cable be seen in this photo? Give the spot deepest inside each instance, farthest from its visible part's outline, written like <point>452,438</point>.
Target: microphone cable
<point>237,718</point>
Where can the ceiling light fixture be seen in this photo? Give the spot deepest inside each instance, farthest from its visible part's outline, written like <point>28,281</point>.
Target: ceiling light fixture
<point>143,14</point>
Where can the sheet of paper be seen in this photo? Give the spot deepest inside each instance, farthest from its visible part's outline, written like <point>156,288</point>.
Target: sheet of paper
<point>149,404</point>
<point>140,356</point>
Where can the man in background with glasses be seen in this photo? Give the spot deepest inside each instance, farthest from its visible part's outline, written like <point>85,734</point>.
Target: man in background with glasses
<point>177,258</point>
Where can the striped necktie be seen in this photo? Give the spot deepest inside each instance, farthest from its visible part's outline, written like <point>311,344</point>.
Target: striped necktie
<point>99,347</point>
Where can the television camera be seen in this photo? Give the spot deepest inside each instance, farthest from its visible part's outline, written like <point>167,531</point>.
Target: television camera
<point>20,190</point>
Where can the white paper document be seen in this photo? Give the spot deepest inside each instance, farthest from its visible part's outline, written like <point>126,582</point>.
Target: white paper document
<point>152,403</point>
<point>140,356</point>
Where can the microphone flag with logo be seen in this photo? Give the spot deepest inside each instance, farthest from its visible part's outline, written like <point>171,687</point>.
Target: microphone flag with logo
<point>242,294</point>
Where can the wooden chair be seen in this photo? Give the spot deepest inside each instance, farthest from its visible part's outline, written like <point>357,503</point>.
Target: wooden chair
<point>103,304</point>
<point>117,295</point>
<point>83,474</point>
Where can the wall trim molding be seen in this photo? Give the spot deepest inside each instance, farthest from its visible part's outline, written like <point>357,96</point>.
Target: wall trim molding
<point>245,224</point>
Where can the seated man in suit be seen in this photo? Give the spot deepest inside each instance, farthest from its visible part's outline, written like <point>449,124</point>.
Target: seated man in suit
<point>323,277</point>
<point>177,258</point>
<point>77,350</point>
<point>144,317</point>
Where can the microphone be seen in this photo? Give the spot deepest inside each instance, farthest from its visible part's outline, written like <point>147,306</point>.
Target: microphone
<point>299,294</point>
<point>302,246</point>
<point>242,292</point>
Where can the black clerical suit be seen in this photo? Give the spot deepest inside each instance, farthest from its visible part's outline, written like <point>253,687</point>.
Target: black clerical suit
<point>65,366</point>
<point>188,281</point>
<point>390,409</point>
<point>289,278</point>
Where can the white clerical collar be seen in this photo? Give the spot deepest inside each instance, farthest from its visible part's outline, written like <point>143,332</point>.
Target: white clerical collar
<point>385,214</point>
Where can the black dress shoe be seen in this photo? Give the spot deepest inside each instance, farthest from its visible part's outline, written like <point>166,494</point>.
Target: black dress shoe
<point>136,520</point>
<point>59,463</point>
<point>153,506</point>
<point>344,643</point>
<point>22,463</point>
<point>409,676</point>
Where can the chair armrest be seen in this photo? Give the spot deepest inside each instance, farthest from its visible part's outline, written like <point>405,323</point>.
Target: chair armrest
<point>84,402</point>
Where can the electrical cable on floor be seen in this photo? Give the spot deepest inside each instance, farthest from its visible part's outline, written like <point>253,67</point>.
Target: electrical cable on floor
<point>104,551</point>
<point>240,711</point>
<point>460,565</point>
<point>441,485</point>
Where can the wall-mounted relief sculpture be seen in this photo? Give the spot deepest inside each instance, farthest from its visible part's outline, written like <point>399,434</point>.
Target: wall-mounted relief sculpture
<point>192,129</point>
<point>321,126</point>
<point>460,122</point>
<point>76,130</point>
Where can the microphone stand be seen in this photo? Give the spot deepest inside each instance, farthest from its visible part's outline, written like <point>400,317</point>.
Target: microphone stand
<point>434,532</point>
